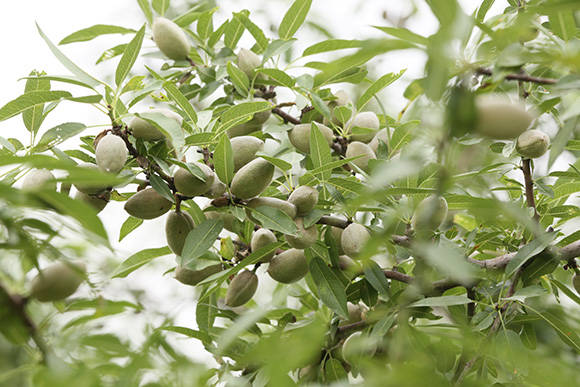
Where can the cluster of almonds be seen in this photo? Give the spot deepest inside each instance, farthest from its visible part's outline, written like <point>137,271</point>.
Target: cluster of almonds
<point>497,118</point>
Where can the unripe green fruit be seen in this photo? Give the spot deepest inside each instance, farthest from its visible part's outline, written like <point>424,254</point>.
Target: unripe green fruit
<point>98,201</point>
<point>357,346</point>
<point>299,136</point>
<point>57,281</point>
<point>248,61</point>
<point>177,226</point>
<point>191,185</point>
<point>282,205</point>
<point>430,213</point>
<point>147,204</point>
<point>146,131</point>
<point>342,99</point>
<point>305,237</point>
<point>37,179</point>
<point>252,179</point>
<point>304,198</point>
<point>90,189</point>
<point>216,190</point>
<point>308,373</point>
<point>245,149</point>
<point>366,120</point>
<point>170,39</point>
<point>261,117</point>
<point>357,148</point>
<point>381,135</point>
<point>346,263</point>
<point>241,289</point>
<point>500,118</point>
<point>111,153</point>
<point>353,239</point>
<point>193,277</point>
<point>228,219</point>
<point>532,143</point>
<point>576,282</point>
<point>261,238</point>
<point>289,266</point>
<point>356,313</point>
<point>243,129</point>
<point>337,235</point>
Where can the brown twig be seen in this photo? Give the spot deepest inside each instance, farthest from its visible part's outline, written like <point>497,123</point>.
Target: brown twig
<point>18,305</point>
<point>529,187</point>
<point>285,116</point>
<point>519,77</point>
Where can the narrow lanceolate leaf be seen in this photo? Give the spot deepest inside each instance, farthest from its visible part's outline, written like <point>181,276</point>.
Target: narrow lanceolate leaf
<point>239,79</point>
<point>379,85</point>
<point>528,251</point>
<point>66,62</point>
<point>294,18</point>
<point>279,77</point>
<point>30,100</point>
<point>332,45</point>
<point>33,117</point>
<point>330,288</point>
<point>205,24</point>
<point>404,34</point>
<point>146,8</point>
<point>274,219</point>
<point>139,259</point>
<point>233,32</point>
<point>129,57</point>
<point>278,163</point>
<point>206,312</point>
<point>129,226</point>
<point>241,113</point>
<point>188,332</point>
<point>442,301</point>
<point>58,134</point>
<point>160,6</point>
<point>200,239</point>
<point>92,32</point>
<point>257,33</point>
<point>567,334</point>
<point>223,160</point>
<point>178,97</point>
<point>375,276</point>
<point>168,126</point>
<point>319,151</point>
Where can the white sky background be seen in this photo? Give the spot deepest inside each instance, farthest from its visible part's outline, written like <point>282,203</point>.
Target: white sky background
<point>24,51</point>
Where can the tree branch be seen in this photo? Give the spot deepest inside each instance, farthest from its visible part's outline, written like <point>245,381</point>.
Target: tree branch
<point>519,77</point>
<point>529,186</point>
<point>285,116</point>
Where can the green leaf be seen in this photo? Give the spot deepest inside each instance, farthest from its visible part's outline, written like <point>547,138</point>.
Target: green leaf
<point>128,226</point>
<point>279,77</point>
<point>205,313</point>
<point>160,6</point>
<point>332,45</point>
<point>274,219</point>
<point>404,34</point>
<point>146,8</point>
<point>189,17</point>
<point>92,32</point>
<point>567,334</point>
<point>330,288</point>
<point>277,47</point>
<point>483,9</point>
<point>177,96</point>
<point>66,62</point>
<point>563,25</point>
<point>442,301</point>
<point>139,259</point>
<point>129,56</point>
<point>528,251</point>
<point>241,113</point>
<point>205,24</point>
<point>188,331</point>
<point>233,32</point>
<point>200,239</point>
<point>58,134</point>
<point>375,276</point>
<point>34,116</point>
<point>278,163</point>
<point>294,18</point>
<point>566,290</point>
<point>379,85</point>
<point>257,33</point>
<point>382,326</point>
<point>319,151</point>
<point>223,160</point>
<point>334,371</point>
<point>159,185</point>
<point>239,79</point>
<point>29,100</point>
